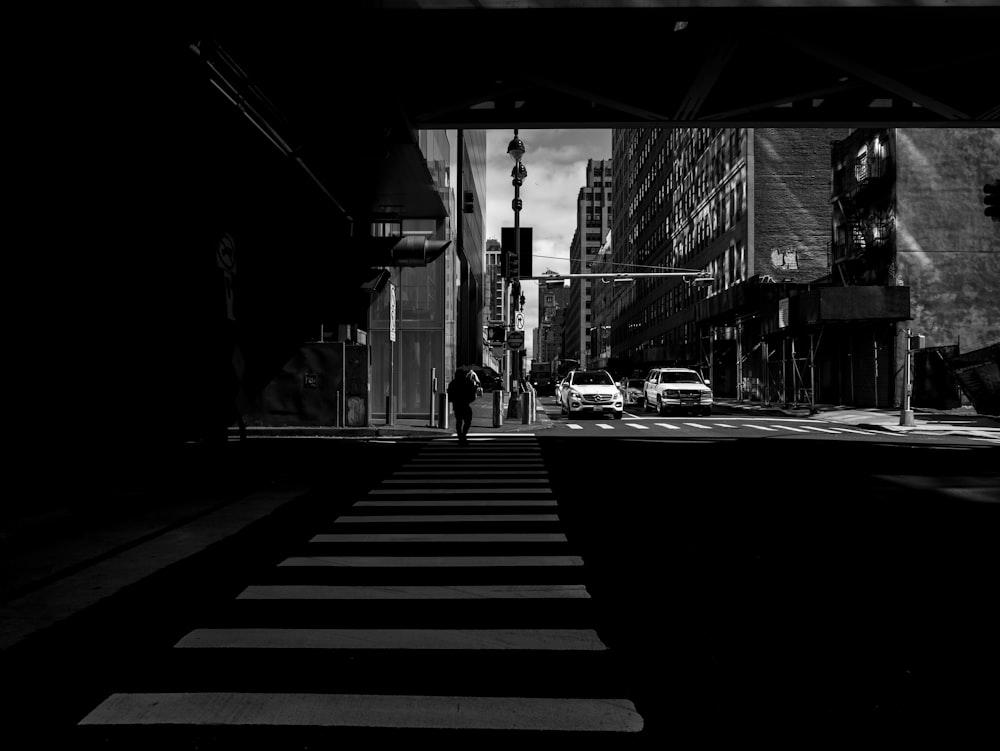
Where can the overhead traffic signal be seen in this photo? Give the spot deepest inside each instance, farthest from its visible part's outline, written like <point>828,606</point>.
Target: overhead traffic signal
<point>991,199</point>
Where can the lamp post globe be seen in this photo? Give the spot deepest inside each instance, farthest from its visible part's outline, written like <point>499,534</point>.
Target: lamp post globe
<point>515,149</point>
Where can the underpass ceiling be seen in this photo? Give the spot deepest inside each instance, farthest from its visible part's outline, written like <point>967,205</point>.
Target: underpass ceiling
<point>599,64</point>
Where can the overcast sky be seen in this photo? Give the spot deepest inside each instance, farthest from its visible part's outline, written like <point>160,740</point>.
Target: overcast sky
<point>556,161</point>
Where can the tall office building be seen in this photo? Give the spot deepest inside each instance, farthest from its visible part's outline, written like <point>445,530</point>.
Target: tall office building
<point>749,206</point>
<point>494,312</point>
<point>593,219</point>
<point>548,336</point>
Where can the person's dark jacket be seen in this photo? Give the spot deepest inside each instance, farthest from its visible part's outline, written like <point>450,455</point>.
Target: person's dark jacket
<point>461,390</point>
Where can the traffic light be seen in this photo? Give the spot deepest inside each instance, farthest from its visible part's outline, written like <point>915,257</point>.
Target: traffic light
<point>991,198</point>
<point>498,333</point>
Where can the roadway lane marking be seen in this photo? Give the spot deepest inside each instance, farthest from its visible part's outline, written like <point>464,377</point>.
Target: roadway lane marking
<point>431,561</point>
<point>443,537</point>
<point>574,426</point>
<point>853,430</point>
<point>347,519</point>
<point>789,427</point>
<point>403,592</point>
<point>413,491</point>
<point>469,502</point>
<point>605,426</point>
<point>726,425</point>
<point>566,639</point>
<point>667,425</point>
<point>699,425</point>
<point>638,426</point>
<point>601,715</point>
<point>821,430</point>
<point>762,427</point>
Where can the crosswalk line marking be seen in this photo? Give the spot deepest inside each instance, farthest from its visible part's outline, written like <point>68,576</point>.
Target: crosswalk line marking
<point>667,425</point>
<point>789,427</point>
<point>455,472</point>
<point>761,427</point>
<point>726,425</point>
<point>860,432</point>
<point>468,502</point>
<point>463,480</point>
<point>574,426</point>
<point>698,425</point>
<point>392,638</point>
<point>821,430</point>
<point>637,425</point>
<point>452,491</point>
<point>421,592</point>
<point>473,518</point>
<point>605,426</point>
<point>368,710</point>
<point>431,561</point>
<point>442,537</point>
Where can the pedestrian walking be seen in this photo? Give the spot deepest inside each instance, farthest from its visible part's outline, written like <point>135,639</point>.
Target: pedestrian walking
<point>461,394</point>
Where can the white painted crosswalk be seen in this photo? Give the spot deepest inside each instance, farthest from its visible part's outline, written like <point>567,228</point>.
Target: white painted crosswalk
<point>445,513</point>
<point>745,427</point>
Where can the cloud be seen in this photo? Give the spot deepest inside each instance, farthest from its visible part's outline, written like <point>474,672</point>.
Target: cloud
<point>556,161</point>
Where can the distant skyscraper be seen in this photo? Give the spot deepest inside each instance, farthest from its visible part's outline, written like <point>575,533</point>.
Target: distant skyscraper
<point>593,219</point>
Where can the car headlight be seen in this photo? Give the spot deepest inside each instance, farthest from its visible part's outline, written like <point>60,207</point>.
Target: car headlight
<point>574,394</point>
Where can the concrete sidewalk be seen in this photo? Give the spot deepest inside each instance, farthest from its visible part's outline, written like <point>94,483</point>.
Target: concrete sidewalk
<point>482,422</point>
<point>963,421</point>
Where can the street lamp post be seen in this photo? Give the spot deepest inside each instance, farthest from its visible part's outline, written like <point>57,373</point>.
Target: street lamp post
<point>515,150</point>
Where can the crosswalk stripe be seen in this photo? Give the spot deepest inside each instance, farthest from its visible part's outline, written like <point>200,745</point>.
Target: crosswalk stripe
<point>698,425</point>
<point>667,425</point>
<point>369,711</point>
<point>425,592</point>
<point>463,480</point>
<point>442,537</point>
<point>790,427</point>
<point>605,426</point>
<point>574,426</point>
<point>726,425</point>
<point>860,432</point>
<point>467,502</point>
<point>452,491</point>
<point>761,427</point>
<point>392,638</point>
<point>637,425</point>
<point>348,519</point>
<point>432,561</point>
<point>821,430</point>
<point>476,473</point>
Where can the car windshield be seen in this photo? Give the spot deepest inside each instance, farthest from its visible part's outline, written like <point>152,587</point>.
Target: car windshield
<point>635,383</point>
<point>680,378</point>
<point>593,379</point>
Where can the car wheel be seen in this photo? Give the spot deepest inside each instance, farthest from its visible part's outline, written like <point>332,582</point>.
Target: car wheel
<point>645,404</point>
<point>660,409</point>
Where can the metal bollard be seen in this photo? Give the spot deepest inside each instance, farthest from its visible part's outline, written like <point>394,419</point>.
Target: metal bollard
<point>442,399</point>
<point>497,408</point>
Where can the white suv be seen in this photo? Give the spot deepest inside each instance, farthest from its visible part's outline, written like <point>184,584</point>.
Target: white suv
<point>590,391</point>
<point>677,388</point>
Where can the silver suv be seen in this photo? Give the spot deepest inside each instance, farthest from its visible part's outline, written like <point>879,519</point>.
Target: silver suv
<point>590,392</point>
<point>684,389</point>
